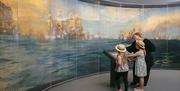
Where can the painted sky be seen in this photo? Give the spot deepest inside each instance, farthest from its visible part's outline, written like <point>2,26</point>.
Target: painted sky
<point>105,19</point>
<point>32,17</point>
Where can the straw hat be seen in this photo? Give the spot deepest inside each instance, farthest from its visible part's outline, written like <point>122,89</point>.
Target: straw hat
<point>120,48</point>
<point>140,44</point>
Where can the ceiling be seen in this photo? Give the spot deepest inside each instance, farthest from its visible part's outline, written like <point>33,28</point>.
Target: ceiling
<point>136,3</point>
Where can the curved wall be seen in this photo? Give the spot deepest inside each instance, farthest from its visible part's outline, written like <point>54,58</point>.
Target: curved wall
<point>48,42</point>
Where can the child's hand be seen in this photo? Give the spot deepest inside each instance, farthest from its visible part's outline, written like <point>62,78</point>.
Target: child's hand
<point>132,58</point>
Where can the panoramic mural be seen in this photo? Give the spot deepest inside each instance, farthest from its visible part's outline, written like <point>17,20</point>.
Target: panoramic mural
<point>42,41</point>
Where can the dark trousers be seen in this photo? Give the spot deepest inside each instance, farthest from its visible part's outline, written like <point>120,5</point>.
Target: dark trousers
<point>125,80</point>
<point>146,78</point>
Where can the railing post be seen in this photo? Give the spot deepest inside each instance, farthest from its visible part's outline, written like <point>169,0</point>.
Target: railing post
<point>112,72</point>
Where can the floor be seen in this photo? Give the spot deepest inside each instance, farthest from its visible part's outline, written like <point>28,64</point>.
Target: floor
<point>160,80</point>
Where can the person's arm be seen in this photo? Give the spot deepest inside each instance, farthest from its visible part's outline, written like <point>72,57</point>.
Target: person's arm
<point>119,60</point>
<point>128,53</point>
<point>150,46</point>
<point>133,55</point>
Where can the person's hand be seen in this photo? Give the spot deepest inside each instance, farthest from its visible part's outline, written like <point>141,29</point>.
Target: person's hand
<point>130,59</point>
<point>134,58</point>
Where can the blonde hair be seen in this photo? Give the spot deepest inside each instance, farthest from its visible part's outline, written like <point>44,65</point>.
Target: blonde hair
<point>138,34</point>
<point>124,58</point>
<point>139,47</point>
<point>144,51</point>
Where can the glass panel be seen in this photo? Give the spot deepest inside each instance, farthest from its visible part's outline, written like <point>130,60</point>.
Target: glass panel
<point>30,58</point>
<point>9,63</point>
<point>172,37</point>
<point>88,48</point>
<point>108,23</point>
<point>155,27</point>
<point>63,37</point>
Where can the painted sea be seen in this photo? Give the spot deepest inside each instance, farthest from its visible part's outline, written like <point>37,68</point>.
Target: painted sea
<point>26,63</point>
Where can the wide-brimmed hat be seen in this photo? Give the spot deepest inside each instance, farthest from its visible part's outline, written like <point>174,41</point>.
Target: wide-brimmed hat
<point>120,48</point>
<point>140,44</point>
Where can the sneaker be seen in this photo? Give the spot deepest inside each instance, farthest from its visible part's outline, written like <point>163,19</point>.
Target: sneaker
<point>120,89</point>
<point>138,89</point>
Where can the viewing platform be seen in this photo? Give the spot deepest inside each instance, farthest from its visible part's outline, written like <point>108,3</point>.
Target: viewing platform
<point>160,80</point>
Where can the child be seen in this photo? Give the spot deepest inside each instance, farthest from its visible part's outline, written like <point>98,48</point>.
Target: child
<point>122,67</point>
<point>140,64</point>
